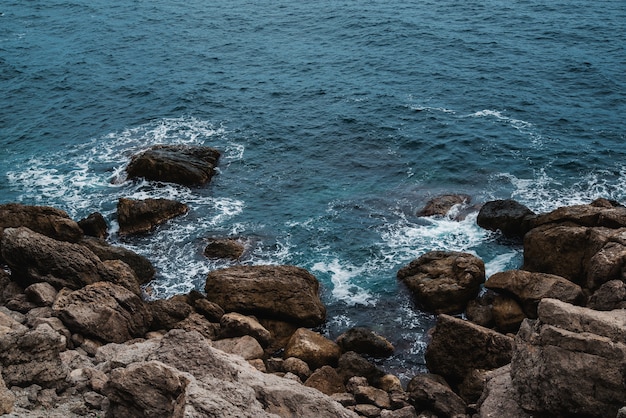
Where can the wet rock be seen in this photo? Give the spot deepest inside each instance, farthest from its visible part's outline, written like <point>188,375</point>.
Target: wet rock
<point>181,164</point>
<point>508,216</point>
<point>142,267</point>
<point>313,348</point>
<point>285,293</point>
<point>444,281</point>
<point>364,341</point>
<point>138,216</point>
<point>529,288</point>
<point>224,248</point>
<point>237,325</point>
<point>459,346</point>
<point>94,225</point>
<point>441,205</point>
<point>105,311</point>
<point>611,295</point>
<point>594,215</point>
<point>427,391</point>
<point>326,380</point>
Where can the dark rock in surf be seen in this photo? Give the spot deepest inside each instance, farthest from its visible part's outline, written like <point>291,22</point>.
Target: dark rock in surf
<point>181,164</point>
<point>137,216</point>
<point>224,248</point>
<point>508,216</point>
<point>94,225</point>
<point>364,341</point>
<point>444,281</point>
<point>441,205</point>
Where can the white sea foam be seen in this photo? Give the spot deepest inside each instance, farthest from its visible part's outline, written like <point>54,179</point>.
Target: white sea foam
<point>501,262</point>
<point>342,276</point>
<point>522,126</point>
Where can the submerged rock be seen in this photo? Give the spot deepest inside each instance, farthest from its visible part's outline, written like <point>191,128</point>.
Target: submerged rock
<point>136,216</point>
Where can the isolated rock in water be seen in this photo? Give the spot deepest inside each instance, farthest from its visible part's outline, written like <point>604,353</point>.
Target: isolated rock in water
<point>105,311</point>
<point>313,348</point>
<point>136,216</point>
<point>508,216</point>
<point>611,295</point>
<point>224,248</point>
<point>427,391</point>
<point>94,225</point>
<point>570,362</point>
<point>459,346</point>
<point>45,220</point>
<point>441,205</point>
<point>182,164</point>
<point>141,265</point>
<point>444,281</point>
<point>364,341</point>
<point>280,292</point>
<point>34,257</point>
<point>529,288</point>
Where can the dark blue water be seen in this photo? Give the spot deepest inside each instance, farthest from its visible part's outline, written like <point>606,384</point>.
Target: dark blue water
<point>337,121</point>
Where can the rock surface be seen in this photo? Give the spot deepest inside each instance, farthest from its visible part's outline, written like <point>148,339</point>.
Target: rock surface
<point>508,216</point>
<point>94,225</point>
<point>441,205</point>
<point>224,248</point>
<point>313,348</point>
<point>48,221</point>
<point>444,281</point>
<point>142,267</point>
<point>364,341</point>
<point>427,391</point>
<point>182,164</point>
<point>138,216</point>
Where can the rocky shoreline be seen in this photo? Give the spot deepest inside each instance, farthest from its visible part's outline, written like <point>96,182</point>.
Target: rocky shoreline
<point>78,337</point>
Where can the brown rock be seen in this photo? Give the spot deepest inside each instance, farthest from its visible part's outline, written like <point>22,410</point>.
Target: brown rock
<point>611,295</point>
<point>373,396</point>
<point>431,392</point>
<point>246,347</point>
<point>607,264</point>
<point>94,225</point>
<point>529,288</point>
<point>405,412</point>
<point>182,164</point>
<point>508,216</point>
<point>142,267</point>
<point>499,398</point>
<point>297,367</point>
<point>507,314</point>
<point>281,332</point>
<point>166,313</point>
<point>473,385</point>
<point>105,311</point>
<point>479,310</point>
<point>51,222</point>
<point>595,215</point>
<point>120,273</point>
<point>41,294</point>
<point>237,325</point>
<point>7,398</point>
<point>353,365</point>
<point>313,348</point>
<point>444,281</point>
<point>198,323</point>
<point>366,410</point>
<point>459,346</point>
<point>326,380</point>
<point>279,292</point>
<point>441,205</point>
<point>212,311</point>
<point>224,248</point>
<point>137,216</point>
<point>364,341</point>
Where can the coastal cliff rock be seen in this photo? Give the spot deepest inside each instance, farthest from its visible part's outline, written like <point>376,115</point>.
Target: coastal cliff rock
<point>94,225</point>
<point>182,164</point>
<point>508,216</point>
<point>444,281</point>
<point>278,292</point>
<point>48,221</point>
<point>313,348</point>
<point>142,267</point>
<point>137,216</point>
<point>431,392</point>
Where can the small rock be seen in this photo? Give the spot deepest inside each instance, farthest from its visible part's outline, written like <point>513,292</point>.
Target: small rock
<point>369,411</point>
<point>326,380</point>
<point>224,248</point>
<point>406,412</point>
<point>41,294</point>
<point>345,399</point>
<point>373,396</point>
<point>246,347</point>
<point>94,225</point>
<point>236,325</point>
<point>296,366</point>
<point>138,216</point>
<point>313,348</point>
<point>441,205</point>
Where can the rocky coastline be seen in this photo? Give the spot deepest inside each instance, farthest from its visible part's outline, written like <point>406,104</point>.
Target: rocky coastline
<point>78,337</point>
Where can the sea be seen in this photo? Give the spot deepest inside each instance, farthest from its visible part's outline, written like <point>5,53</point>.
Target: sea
<point>337,121</point>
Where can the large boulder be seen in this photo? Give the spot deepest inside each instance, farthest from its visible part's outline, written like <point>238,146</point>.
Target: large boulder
<point>458,346</point>
<point>280,292</point>
<point>182,164</point>
<point>600,213</point>
<point>510,217</point>
<point>444,281</point>
<point>570,362</point>
<point>105,311</point>
<point>34,257</point>
<point>529,288</point>
<point>137,216</point>
<point>313,348</point>
<point>141,265</point>
<point>45,220</point>
<point>364,341</point>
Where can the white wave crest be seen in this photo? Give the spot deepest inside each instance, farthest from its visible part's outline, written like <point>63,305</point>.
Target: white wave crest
<point>342,276</point>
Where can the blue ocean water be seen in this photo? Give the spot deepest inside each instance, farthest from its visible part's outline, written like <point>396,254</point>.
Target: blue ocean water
<point>337,121</point>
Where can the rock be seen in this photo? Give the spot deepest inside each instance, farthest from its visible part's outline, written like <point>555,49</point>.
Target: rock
<point>570,362</point>
<point>281,332</point>
<point>9,324</point>
<point>372,396</point>
<point>345,399</point>
<point>7,398</point>
<point>499,396</point>
<point>224,248</point>
<point>237,325</point>
<point>94,225</point>
<point>105,311</point>
<point>406,412</point>
<point>313,348</point>
<point>138,216</point>
<point>285,293</point>
<point>444,281</point>
<point>326,380</point>
<point>212,311</point>
<point>507,314</point>
<point>473,385</point>
<point>594,215</point>
<point>51,222</point>
<point>479,310</point>
<point>34,257</point>
<point>198,323</point>
<point>441,205</point>
<point>366,410</point>
<point>142,267</point>
<point>611,295</point>
<point>529,288</point>
<point>431,392</point>
<point>166,313</point>
<point>246,347</point>
<point>351,364</point>
<point>508,216</point>
<point>563,250</point>
<point>181,164</point>
<point>390,383</point>
<point>121,274</point>
<point>364,341</point>
<point>298,367</point>
<point>607,264</point>
<point>459,346</point>
<point>41,294</point>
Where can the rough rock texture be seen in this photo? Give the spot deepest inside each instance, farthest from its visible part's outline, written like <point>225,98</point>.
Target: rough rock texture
<point>352,364</point>
<point>246,347</point>
<point>41,294</point>
<point>34,257</point>
<point>479,310</point>
<point>280,292</point>
<point>166,313</point>
<point>458,346</point>
<point>600,213</point>
<point>364,341</point>
<point>137,216</point>
<point>94,225</point>
<point>224,248</point>
<point>444,281</point>
<point>529,288</point>
<point>211,311</point>
<point>441,205</point>
<point>313,348</point>
<point>507,314</point>
<point>7,398</point>
<point>142,267</point>
<point>611,295</point>
<point>570,362</point>
<point>326,380</point>
<point>508,216</point>
<point>427,391</point>
<point>609,263</point>
<point>499,398</point>
<point>237,325</point>
<point>105,311</point>
<point>45,220</point>
<point>182,164</point>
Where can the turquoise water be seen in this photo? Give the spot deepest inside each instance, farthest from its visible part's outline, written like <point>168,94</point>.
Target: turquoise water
<point>337,121</point>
